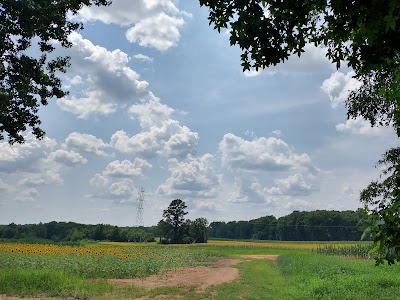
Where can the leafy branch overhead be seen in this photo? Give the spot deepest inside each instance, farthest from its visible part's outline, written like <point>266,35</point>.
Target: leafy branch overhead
<point>365,35</point>
<point>26,82</point>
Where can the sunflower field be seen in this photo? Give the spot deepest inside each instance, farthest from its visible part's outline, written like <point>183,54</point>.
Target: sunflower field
<point>98,261</point>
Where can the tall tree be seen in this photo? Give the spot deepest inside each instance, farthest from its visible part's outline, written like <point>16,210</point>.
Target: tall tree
<point>198,230</point>
<point>26,81</point>
<point>174,220</point>
<point>362,34</point>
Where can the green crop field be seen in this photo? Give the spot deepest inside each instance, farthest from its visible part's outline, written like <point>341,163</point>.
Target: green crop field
<point>302,271</point>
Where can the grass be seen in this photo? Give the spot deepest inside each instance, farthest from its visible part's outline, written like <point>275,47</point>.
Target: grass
<point>48,282</point>
<point>259,279</point>
<point>315,276</point>
<point>356,251</point>
<point>299,274</point>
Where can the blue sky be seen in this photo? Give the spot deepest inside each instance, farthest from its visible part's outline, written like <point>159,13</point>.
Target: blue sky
<point>158,99</point>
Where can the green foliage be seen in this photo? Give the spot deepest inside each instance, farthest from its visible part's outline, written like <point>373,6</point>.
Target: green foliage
<point>28,282</point>
<point>314,276</point>
<point>174,229</point>
<point>269,31</point>
<point>74,233</point>
<point>26,82</point>
<point>198,230</point>
<point>353,251</point>
<point>382,209</point>
<point>320,225</point>
<point>363,34</point>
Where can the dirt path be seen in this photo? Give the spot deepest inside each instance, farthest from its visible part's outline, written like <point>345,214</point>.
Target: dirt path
<point>199,277</point>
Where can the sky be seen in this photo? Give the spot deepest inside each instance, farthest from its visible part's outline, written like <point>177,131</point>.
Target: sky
<point>157,99</point>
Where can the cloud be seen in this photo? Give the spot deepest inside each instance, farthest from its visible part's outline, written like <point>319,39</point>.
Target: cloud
<point>144,58</point>
<point>25,157</point>
<point>193,177</point>
<point>85,142</point>
<point>252,73</point>
<point>261,154</point>
<point>348,190</point>
<point>295,185</point>
<point>160,135</point>
<point>113,182</point>
<point>151,23</point>
<point>277,133</point>
<point>68,158</point>
<point>160,32</point>
<point>362,127</point>
<point>339,86</point>
<point>126,168</point>
<point>4,186</point>
<point>311,61</point>
<point>27,195</point>
<point>247,190</point>
<point>100,80</point>
<point>122,191</point>
<point>99,181</point>
<point>205,206</point>
<point>42,178</point>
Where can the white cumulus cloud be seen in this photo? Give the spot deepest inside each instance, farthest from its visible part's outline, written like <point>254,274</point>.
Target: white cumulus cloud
<point>260,154</point>
<point>105,81</point>
<point>295,185</point>
<point>160,135</point>
<point>193,177</point>
<point>339,86</point>
<point>362,127</point>
<point>126,168</point>
<point>68,158</point>
<point>85,142</point>
<point>25,157</point>
<point>122,191</point>
<point>152,23</point>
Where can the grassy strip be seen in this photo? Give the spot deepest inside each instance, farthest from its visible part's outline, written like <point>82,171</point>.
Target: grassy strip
<point>259,279</point>
<point>48,283</point>
<point>316,276</point>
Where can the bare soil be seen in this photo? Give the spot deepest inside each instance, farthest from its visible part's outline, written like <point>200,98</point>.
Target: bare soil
<point>199,277</point>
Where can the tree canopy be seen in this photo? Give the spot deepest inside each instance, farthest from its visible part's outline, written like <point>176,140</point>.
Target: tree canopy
<point>174,221</point>
<point>175,229</point>
<point>26,81</point>
<point>362,34</point>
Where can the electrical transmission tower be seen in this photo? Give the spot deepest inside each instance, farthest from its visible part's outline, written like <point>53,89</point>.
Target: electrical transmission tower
<point>140,206</point>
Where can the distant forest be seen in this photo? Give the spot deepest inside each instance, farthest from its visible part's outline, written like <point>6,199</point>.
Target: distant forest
<point>320,225</point>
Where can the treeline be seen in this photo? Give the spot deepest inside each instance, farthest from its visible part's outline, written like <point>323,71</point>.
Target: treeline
<point>72,232</point>
<point>320,225</point>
